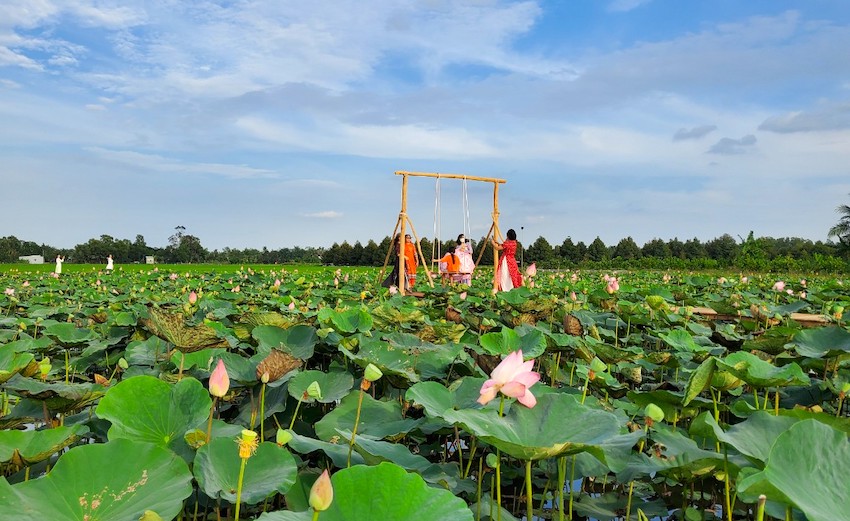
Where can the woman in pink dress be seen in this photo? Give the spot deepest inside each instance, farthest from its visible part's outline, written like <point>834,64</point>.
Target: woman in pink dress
<point>507,271</point>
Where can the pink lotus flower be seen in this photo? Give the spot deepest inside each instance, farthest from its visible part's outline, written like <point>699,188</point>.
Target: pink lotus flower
<point>345,278</point>
<point>512,377</point>
<point>613,285</point>
<point>789,291</point>
<point>322,492</point>
<point>393,290</point>
<point>606,277</point>
<point>26,284</point>
<point>573,296</point>
<point>574,277</point>
<point>666,278</point>
<point>721,280</point>
<point>779,286</point>
<point>463,296</point>
<point>292,306</point>
<point>531,270</point>
<point>236,289</point>
<point>9,291</point>
<point>277,283</point>
<point>173,276</point>
<point>744,280</point>
<point>802,294</point>
<point>336,282</point>
<point>803,282</point>
<point>531,284</point>
<point>219,381</point>
<point>193,297</point>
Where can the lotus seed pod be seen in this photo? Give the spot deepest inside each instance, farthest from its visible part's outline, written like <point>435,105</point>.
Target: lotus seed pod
<point>372,373</point>
<point>122,363</point>
<point>283,437</point>
<point>314,391</point>
<point>654,412</point>
<point>276,364</point>
<point>492,460</point>
<point>598,365</point>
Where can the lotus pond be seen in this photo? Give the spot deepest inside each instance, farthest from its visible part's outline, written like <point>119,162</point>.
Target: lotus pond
<point>224,394</point>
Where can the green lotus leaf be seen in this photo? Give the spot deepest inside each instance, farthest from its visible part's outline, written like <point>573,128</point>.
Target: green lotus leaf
<point>70,335</point>
<point>286,515</point>
<point>115,481</point>
<point>271,469</point>
<point>144,408</point>
<point>808,464</point>
<point>12,362</point>
<point>541,432</point>
<point>822,342</point>
<point>670,402</point>
<point>437,399</point>
<point>754,436</point>
<point>406,355</point>
<point>377,418</point>
<point>699,380</point>
<point>503,342</point>
<point>299,341</point>
<point>759,373</point>
<point>376,451</point>
<point>27,447</point>
<point>677,456</point>
<point>337,452</point>
<point>353,320</point>
<point>682,341</point>
<point>246,322</point>
<point>362,492</point>
<point>334,385</point>
<point>59,397</point>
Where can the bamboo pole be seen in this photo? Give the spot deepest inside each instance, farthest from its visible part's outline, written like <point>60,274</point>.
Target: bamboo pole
<point>402,216</point>
<point>496,235</point>
<point>450,176</point>
<point>421,255</point>
<point>387,257</point>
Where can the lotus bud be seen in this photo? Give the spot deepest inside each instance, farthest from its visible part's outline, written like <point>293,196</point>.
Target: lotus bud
<point>314,391</point>
<point>264,378</point>
<point>653,413</point>
<point>219,381</point>
<point>322,493</point>
<point>283,437</point>
<point>573,296</point>
<point>531,270</point>
<point>463,296</point>
<point>193,297</point>
<point>291,306</point>
<point>372,373</point>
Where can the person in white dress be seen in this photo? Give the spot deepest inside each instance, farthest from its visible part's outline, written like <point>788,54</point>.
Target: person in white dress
<point>59,260</point>
<point>109,264</point>
<point>463,250</point>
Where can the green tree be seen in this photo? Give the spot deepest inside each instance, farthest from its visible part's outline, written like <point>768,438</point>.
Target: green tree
<point>627,249</point>
<point>841,230</point>
<point>597,251</point>
<point>656,248</point>
<point>723,249</point>
<point>540,252</point>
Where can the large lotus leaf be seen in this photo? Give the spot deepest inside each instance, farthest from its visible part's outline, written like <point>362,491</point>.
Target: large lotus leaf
<point>377,418</point>
<point>437,399</point>
<point>542,431</point>
<point>286,515</point>
<point>27,447</point>
<point>337,452</point>
<point>70,335</point>
<point>271,469</point>
<point>677,456</point>
<point>669,402</point>
<point>146,352</point>
<point>353,320</point>
<point>504,342</point>
<point>362,492</point>
<point>759,373</point>
<point>699,380</point>
<point>115,481</point>
<point>239,368</point>
<point>682,341</point>
<point>754,436</point>
<point>246,322</point>
<point>822,342</point>
<point>808,464</point>
<point>12,362</point>
<point>375,451</point>
<point>334,385</point>
<point>145,408</point>
<point>172,326</point>
<point>298,341</point>
<point>407,356</point>
<point>394,314</point>
<point>29,344</point>
<point>60,397</point>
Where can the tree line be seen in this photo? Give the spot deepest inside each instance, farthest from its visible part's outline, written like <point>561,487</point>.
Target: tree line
<point>750,253</point>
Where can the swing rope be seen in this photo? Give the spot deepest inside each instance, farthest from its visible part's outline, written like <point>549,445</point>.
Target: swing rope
<point>437,221</point>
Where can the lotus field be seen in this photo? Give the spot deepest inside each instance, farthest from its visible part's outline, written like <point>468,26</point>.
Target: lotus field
<point>286,394</point>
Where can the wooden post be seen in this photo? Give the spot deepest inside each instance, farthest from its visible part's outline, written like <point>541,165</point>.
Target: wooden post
<point>402,269</point>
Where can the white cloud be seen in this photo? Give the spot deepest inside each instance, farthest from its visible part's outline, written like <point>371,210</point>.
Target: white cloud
<point>152,162</point>
<point>330,214</point>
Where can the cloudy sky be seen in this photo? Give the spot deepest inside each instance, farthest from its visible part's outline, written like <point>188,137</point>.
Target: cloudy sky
<point>279,123</point>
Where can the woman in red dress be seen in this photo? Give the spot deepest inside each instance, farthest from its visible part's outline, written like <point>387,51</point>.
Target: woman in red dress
<point>507,271</point>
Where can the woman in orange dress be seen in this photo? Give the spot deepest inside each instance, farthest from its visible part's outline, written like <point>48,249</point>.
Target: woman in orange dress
<point>411,262</point>
<point>508,276</point>
<point>450,266</point>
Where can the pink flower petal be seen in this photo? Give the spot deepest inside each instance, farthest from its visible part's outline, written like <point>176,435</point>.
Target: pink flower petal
<point>513,389</point>
<point>527,399</point>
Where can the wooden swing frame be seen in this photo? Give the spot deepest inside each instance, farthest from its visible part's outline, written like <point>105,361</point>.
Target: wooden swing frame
<point>403,221</point>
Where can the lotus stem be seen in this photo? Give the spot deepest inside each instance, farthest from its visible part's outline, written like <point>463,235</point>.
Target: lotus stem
<point>760,510</point>
<point>726,490</point>
<point>478,491</point>
<point>756,397</point>
<point>837,411</point>
<point>239,486</point>
<point>562,478</point>
<point>572,480</point>
<point>459,449</point>
<point>498,486</point>
<point>528,494</point>
<point>315,515</point>
<point>364,385</point>
<point>295,414</point>
<point>471,457</point>
<point>209,422</point>
<point>632,483</point>
<point>67,364</point>
<point>263,412</point>
<point>182,361</point>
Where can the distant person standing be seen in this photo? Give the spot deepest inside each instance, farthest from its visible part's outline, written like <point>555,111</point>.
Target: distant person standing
<point>109,264</point>
<point>508,276</point>
<point>59,260</point>
<point>410,260</point>
<point>463,249</point>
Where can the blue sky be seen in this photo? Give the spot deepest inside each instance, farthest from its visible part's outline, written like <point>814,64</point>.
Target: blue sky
<point>269,123</point>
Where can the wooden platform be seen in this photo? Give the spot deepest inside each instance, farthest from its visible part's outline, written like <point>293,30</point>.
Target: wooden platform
<point>804,319</point>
